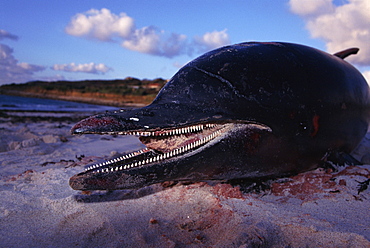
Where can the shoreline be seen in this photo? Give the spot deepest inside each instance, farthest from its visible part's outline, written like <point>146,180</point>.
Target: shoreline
<point>117,92</point>
<point>89,100</point>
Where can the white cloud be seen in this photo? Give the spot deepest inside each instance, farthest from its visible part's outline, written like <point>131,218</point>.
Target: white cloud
<point>87,68</point>
<point>106,26</point>
<point>311,7</point>
<point>150,40</point>
<point>6,35</point>
<point>340,27</point>
<point>212,40</point>
<point>101,24</point>
<point>143,40</point>
<point>13,72</point>
<point>366,75</point>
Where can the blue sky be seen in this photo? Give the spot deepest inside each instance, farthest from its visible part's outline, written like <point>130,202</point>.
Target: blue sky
<point>90,39</point>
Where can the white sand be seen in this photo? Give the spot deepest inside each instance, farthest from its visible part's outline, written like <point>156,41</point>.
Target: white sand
<point>39,209</point>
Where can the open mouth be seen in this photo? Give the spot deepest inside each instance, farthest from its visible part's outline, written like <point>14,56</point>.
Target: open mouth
<point>163,145</point>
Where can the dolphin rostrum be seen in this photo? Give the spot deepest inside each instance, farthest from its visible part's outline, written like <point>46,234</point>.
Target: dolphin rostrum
<point>250,110</point>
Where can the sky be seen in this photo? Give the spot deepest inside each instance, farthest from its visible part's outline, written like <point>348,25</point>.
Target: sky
<point>114,39</point>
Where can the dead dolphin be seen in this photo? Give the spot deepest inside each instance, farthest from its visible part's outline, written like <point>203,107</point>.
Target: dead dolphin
<point>250,110</point>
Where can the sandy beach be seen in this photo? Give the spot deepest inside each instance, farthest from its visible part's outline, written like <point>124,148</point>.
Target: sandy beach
<point>320,208</point>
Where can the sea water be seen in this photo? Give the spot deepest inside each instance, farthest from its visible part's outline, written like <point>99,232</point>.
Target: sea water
<point>18,103</point>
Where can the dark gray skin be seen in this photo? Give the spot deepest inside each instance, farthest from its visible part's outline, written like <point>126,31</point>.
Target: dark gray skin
<point>280,109</point>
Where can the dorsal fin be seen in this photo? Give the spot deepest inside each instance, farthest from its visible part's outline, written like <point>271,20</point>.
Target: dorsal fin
<point>345,53</point>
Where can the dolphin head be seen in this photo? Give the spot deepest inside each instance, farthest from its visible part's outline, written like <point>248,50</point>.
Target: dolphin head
<point>243,111</point>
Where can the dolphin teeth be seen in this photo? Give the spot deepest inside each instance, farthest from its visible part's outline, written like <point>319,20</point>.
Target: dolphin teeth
<point>124,160</point>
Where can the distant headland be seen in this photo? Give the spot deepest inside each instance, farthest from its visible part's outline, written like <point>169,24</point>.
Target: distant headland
<point>120,92</point>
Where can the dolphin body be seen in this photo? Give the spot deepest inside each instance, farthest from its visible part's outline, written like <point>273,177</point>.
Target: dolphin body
<point>244,111</point>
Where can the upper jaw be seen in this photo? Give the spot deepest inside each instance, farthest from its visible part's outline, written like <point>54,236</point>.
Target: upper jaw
<point>151,118</point>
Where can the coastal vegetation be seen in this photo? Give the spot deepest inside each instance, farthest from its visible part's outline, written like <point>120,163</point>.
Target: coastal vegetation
<point>120,92</point>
